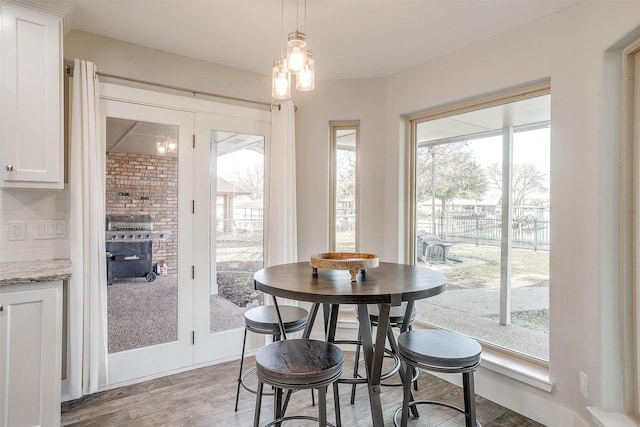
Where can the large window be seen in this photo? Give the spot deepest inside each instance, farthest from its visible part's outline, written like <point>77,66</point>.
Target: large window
<point>344,187</point>
<point>481,215</point>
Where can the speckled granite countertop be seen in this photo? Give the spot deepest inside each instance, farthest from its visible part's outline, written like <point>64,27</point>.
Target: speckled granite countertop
<point>13,273</point>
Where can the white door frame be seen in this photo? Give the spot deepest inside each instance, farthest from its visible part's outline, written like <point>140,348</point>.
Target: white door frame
<point>128,365</point>
<point>209,348</point>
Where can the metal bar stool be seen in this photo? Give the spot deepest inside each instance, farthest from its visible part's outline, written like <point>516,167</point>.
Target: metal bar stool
<point>264,320</point>
<point>396,320</point>
<point>439,351</point>
<point>296,364</point>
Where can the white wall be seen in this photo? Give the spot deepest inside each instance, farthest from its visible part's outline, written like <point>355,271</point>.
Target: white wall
<point>360,100</point>
<point>31,206</point>
<point>126,59</point>
<point>576,49</point>
<point>573,49</point>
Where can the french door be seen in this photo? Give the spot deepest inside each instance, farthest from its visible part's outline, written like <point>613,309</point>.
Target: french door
<point>231,151</point>
<point>149,172</point>
<point>197,169</point>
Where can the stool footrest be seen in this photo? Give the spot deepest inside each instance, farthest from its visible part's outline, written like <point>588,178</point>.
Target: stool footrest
<point>429,402</point>
<point>246,387</point>
<point>296,417</point>
<point>363,380</point>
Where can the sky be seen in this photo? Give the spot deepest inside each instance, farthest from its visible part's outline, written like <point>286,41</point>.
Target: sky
<point>528,147</point>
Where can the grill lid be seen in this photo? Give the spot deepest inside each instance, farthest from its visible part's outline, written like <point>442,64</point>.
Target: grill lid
<point>129,222</point>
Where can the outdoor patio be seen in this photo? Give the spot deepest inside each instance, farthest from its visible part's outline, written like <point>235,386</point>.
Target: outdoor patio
<point>471,303</point>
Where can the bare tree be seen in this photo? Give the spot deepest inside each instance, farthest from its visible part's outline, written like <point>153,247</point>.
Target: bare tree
<point>447,172</point>
<point>250,177</point>
<point>346,171</point>
<point>527,180</point>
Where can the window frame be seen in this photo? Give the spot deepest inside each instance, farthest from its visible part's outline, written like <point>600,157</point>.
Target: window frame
<point>630,232</point>
<point>411,122</point>
<point>334,127</point>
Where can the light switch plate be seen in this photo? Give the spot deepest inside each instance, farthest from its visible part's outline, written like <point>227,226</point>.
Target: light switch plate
<point>50,229</point>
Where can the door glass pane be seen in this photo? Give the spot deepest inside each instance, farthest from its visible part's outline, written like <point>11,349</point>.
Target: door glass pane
<point>141,233</point>
<point>237,182</point>
<point>460,227</point>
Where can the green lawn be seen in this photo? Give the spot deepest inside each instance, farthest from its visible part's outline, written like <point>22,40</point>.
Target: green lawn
<point>481,267</point>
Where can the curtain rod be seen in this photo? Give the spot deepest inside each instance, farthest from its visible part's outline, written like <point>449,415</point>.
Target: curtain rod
<point>69,71</point>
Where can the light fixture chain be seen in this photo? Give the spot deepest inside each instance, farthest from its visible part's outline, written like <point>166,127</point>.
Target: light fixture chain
<point>281,28</point>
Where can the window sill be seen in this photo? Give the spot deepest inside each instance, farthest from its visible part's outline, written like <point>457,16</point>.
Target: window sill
<point>516,369</point>
<point>503,364</point>
<point>610,419</point>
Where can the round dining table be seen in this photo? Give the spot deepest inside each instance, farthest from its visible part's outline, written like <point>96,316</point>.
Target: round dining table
<point>389,284</point>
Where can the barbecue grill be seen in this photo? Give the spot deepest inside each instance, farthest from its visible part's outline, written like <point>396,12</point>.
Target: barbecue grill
<point>129,246</point>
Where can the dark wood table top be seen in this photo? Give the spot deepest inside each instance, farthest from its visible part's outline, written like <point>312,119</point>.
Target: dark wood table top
<point>389,283</point>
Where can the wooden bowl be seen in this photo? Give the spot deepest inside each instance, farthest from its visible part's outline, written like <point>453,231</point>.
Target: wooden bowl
<point>353,261</point>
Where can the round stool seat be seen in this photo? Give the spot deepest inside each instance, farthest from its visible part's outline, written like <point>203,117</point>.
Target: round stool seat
<point>299,363</point>
<point>396,314</point>
<point>441,350</point>
<point>264,319</point>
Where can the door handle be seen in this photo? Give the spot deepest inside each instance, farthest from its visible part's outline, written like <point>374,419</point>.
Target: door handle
<point>9,168</point>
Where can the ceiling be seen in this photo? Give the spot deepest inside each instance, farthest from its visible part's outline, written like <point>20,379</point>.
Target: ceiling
<point>351,38</point>
<point>530,113</point>
<point>136,137</point>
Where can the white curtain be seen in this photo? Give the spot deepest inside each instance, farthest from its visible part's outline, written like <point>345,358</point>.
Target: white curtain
<point>87,367</point>
<point>282,246</point>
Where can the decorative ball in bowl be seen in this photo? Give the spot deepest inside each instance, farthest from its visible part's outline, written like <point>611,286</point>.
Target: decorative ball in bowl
<point>353,261</point>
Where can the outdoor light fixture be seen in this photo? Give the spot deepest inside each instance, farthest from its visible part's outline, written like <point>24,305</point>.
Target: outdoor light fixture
<point>299,62</point>
<point>165,144</point>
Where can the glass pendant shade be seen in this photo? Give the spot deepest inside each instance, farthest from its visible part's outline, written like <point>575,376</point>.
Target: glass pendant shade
<point>280,80</point>
<point>296,51</point>
<point>306,79</point>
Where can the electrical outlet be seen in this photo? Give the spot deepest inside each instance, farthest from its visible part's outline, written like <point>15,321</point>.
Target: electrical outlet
<point>16,230</point>
<point>584,384</point>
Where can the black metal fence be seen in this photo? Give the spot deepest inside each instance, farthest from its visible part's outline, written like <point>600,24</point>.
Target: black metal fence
<point>528,232</point>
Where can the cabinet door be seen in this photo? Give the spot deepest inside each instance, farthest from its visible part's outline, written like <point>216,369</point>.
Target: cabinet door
<point>30,357</point>
<point>31,98</point>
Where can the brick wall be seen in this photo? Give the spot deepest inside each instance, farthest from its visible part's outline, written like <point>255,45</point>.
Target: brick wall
<point>152,186</point>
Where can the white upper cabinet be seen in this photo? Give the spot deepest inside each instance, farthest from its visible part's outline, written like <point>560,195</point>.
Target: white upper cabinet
<point>31,133</point>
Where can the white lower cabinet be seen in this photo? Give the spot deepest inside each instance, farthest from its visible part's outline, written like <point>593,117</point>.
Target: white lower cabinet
<point>30,354</point>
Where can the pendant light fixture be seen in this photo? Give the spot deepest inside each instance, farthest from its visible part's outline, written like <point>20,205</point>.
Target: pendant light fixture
<point>305,80</point>
<point>299,61</point>
<point>296,50</point>
<point>280,75</point>
<point>280,79</point>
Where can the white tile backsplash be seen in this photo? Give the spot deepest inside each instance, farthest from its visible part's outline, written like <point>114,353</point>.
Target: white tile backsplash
<point>32,206</point>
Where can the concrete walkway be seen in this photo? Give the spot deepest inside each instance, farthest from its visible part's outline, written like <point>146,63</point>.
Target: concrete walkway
<point>476,312</point>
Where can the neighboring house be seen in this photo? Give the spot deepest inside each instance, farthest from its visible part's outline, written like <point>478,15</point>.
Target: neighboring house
<point>227,192</point>
<point>488,205</point>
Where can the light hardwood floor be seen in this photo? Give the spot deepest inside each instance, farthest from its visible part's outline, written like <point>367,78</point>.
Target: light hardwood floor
<point>206,397</point>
